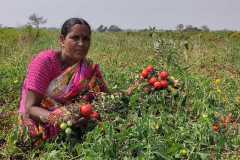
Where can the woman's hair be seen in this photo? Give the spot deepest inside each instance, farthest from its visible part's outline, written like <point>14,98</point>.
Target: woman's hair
<point>68,24</point>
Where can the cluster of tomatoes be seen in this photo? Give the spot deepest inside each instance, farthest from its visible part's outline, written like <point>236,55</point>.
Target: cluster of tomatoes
<point>222,122</point>
<point>158,80</point>
<point>87,112</point>
<point>66,127</point>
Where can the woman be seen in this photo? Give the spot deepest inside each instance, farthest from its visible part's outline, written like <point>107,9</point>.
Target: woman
<point>55,78</point>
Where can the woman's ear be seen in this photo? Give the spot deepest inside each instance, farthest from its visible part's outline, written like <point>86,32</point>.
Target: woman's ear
<point>61,40</point>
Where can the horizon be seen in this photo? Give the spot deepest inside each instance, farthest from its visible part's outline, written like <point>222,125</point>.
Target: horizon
<point>126,29</point>
<point>135,14</point>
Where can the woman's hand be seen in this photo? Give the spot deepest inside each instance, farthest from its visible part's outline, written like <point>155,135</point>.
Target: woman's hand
<point>33,109</point>
<point>59,115</point>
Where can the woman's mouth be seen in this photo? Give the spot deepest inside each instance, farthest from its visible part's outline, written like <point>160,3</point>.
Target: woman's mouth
<point>80,50</point>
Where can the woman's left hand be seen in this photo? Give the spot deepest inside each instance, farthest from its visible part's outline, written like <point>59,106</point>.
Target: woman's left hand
<point>59,115</point>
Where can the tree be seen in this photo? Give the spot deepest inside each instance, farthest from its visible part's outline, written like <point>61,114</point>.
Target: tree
<point>114,28</point>
<point>205,28</point>
<point>180,27</point>
<point>102,28</point>
<point>36,21</point>
<point>190,28</point>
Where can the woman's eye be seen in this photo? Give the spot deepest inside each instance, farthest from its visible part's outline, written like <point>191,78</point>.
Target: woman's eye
<point>85,38</point>
<point>78,38</point>
<point>75,38</point>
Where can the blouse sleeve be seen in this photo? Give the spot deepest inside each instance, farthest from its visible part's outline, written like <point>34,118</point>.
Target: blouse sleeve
<point>39,74</point>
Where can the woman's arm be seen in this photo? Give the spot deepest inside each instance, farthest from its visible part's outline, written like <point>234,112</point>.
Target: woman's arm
<point>34,111</point>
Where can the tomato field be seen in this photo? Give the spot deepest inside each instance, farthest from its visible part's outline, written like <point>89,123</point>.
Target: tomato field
<point>174,95</point>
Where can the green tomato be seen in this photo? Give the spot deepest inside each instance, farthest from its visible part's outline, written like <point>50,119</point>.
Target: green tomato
<point>205,115</point>
<point>68,131</point>
<point>69,123</point>
<point>205,118</point>
<point>15,81</point>
<point>157,126</point>
<point>171,82</point>
<point>183,152</point>
<point>63,126</point>
<point>112,97</point>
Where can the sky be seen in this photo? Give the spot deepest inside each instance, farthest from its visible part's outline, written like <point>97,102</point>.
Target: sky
<point>127,14</point>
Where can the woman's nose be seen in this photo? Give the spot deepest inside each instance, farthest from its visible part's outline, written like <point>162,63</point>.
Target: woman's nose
<point>80,42</point>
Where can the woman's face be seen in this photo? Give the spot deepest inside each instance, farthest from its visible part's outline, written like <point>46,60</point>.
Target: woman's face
<point>76,43</point>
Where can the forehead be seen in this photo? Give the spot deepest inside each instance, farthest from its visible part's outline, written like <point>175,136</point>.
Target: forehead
<point>79,29</point>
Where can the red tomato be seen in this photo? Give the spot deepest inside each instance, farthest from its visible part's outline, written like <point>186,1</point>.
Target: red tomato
<point>149,68</point>
<point>152,80</point>
<point>163,75</point>
<point>164,84</point>
<point>95,116</point>
<point>216,127</point>
<point>86,110</point>
<point>144,73</point>
<point>157,85</point>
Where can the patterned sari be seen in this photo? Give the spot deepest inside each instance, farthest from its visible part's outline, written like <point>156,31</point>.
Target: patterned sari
<point>82,81</point>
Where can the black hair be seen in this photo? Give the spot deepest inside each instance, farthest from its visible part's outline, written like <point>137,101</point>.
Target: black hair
<point>67,25</point>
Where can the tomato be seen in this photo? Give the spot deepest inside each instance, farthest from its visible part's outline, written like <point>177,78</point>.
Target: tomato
<point>217,82</point>
<point>144,73</point>
<point>204,115</point>
<point>86,110</point>
<point>95,116</point>
<point>68,131</point>
<point>163,75</point>
<point>152,80</point>
<point>164,84</point>
<point>171,80</point>
<point>69,123</point>
<point>63,126</point>
<point>216,127</point>
<point>183,152</point>
<point>157,85</point>
<point>150,68</point>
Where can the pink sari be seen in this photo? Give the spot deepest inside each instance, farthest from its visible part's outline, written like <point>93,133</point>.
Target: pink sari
<point>81,81</point>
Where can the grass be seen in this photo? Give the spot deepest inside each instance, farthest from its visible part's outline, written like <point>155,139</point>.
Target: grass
<point>149,126</point>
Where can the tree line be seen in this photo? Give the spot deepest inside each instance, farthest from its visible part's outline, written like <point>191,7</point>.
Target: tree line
<point>35,21</point>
